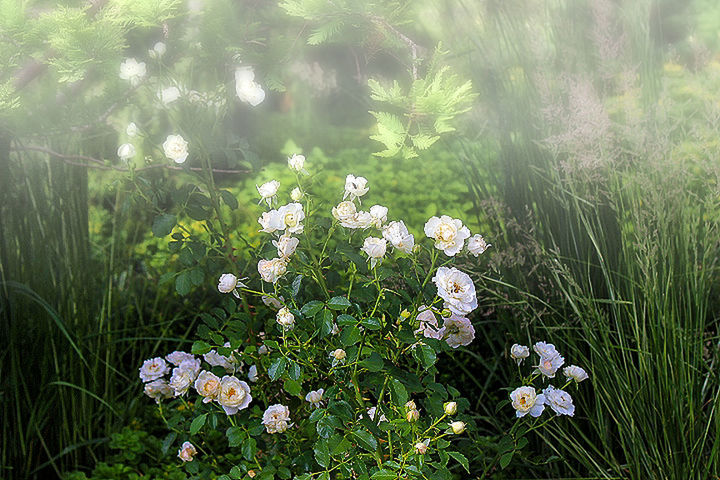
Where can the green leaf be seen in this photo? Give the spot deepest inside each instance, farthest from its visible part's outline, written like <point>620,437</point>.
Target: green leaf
<point>384,474</point>
<point>505,459</point>
<point>398,392</point>
<point>200,348</point>
<point>249,448</point>
<point>371,323</point>
<point>292,387</point>
<point>326,425</point>
<point>461,459</point>
<point>183,283</point>
<point>366,440</point>
<point>425,355</point>
<point>374,362</point>
<point>229,199</point>
<point>235,436</point>
<point>163,224</point>
<point>344,320</point>
<point>311,308</point>
<point>322,453</point>
<point>324,322</point>
<point>197,423</point>
<point>350,336</point>
<point>277,368</point>
<point>338,303</point>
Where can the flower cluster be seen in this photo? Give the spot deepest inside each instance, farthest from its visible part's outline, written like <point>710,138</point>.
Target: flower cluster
<point>526,400</point>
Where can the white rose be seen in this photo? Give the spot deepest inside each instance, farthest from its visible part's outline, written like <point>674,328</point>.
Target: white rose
<point>131,129</point>
<point>549,365</point>
<point>267,191</point>
<point>292,216</point>
<point>450,408</point>
<point>296,162</point>
<point>271,221</point>
<point>234,395</point>
<point>344,211</point>
<point>458,427</point>
<point>375,249</point>
<point>477,245</point>
<point>545,349</point>
<point>285,318</point>
<point>207,385</point>
<point>576,373</point>
<point>457,289</point>
<point>181,380</point>
<point>126,151</point>
<point>338,356</point>
<point>158,50</point>
<point>397,234</point>
<point>449,234</point>
<point>252,373</point>
<point>230,364</point>
<point>133,71</point>
<point>246,88</point>
<point>176,148</point>
<point>229,283</point>
<point>192,365</point>
<point>276,418</point>
<point>379,215</point>
<point>355,187</point>
<point>525,400</point>
<point>458,331</point>
<point>286,245</point>
<point>168,95</point>
<point>360,220</point>
<point>421,447</point>
<point>519,353</point>
<point>428,324</point>
<point>559,400</point>
<point>315,397</point>
<point>176,357</point>
<point>296,194</point>
<point>271,270</point>
<point>153,369</point>
<point>187,452</point>
<point>158,390</point>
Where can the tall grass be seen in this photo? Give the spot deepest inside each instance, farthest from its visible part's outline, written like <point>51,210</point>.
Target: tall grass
<point>615,231</point>
<point>72,312</point>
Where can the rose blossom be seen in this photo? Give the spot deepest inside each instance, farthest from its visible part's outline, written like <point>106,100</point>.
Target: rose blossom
<point>296,194</point>
<point>126,151</point>
<point>177,357</point>
<point>292,216</point>
<point>297,162</point>
<point>315,397</point>
<point>458,331</point>
<point>477,245</point>
<point>525,400</point>
<point>576,373</point>
<point>457,289</point>
<point>168,95</point>
<point>271,270</point>
<point>246,88</point>
<point>344,211</point>
<point>271,221</point>
<point>519,353</point>
<point>276,418</point>
<point>285,319</point>
<point>559,400</point>
<point>428,324</point>
<point>176,148</point>
<point>207,385</point>
<point>158,390</point>
<point>187,452</point>
<point>153,369</point>
<point>375,249</point>
<point>229,283</point>
<point>449,234</point>
<point>355,187</point>
<point>267,191</point>
<point>131,129</point>
<point>133,71</point>
<point>397,234</point>
<point>234,395</point>
<point>379,215</point>
<point>286,245</point>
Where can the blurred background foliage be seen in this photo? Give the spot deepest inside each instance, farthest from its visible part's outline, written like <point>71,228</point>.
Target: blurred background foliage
<point>580,137</point>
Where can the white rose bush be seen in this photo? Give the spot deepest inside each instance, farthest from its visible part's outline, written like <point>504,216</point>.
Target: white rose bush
<point>322,361</point>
